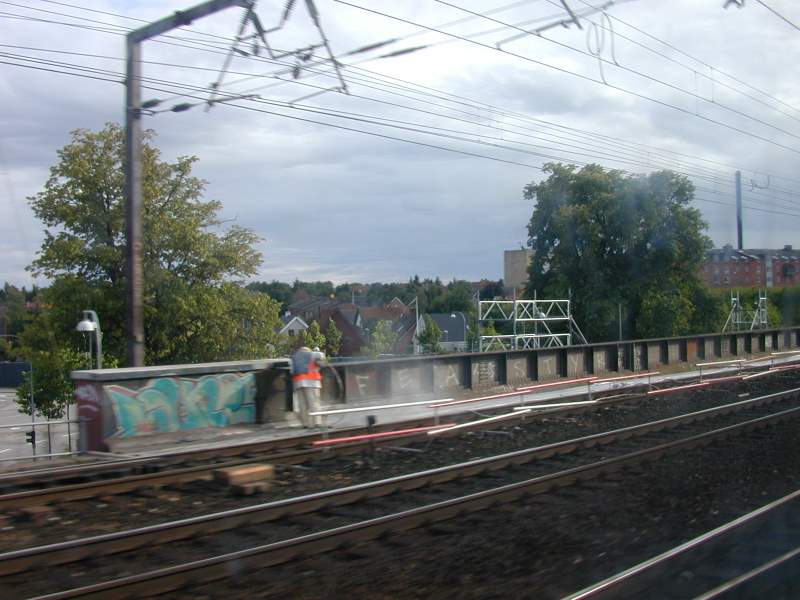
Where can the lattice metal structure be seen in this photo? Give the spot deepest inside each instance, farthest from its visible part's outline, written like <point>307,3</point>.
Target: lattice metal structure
<point>741,319</point>
<point>545,317</point>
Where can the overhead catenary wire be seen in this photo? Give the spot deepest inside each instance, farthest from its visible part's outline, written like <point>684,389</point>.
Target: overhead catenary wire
<point>595,154</point>
<point>416,142</point>
<point>777,14</point>
<point>628,69</point>
<point>201,100</point>
<point>608,157</point>
<point>579,151</point>
<point>584,77</point>
<point>227,40</point>
<point>613,158</point>
<point>666,104</point>
<point>716,69</point>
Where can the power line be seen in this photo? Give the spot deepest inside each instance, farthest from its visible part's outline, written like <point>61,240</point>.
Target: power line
<point>714,68</point>
<point>606,155</point>
<point>777,14</point>
<point>635,72</point>
<point>217,50</point>
<point>414,142</point>
<point>593,154</point>
<point>581,76</point>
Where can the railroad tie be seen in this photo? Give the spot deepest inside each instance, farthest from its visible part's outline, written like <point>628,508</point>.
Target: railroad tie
<point>246,480</point>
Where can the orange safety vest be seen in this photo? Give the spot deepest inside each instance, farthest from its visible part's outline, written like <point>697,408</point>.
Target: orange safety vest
<point>313,373</point>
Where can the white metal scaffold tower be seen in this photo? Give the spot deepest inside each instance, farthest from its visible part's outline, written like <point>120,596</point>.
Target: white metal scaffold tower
<point>545,316</point>
<point>741,319</point>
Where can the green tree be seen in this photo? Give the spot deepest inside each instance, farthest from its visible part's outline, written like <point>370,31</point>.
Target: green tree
<point>313,336</point>
<point>51,362</point>
<point>14,300</point>
<point>431,336</point>
<point>333,339</point>
<point>382,340</point>
<point>604,238</point>
<point>196,309</point>
<point>277,290</point>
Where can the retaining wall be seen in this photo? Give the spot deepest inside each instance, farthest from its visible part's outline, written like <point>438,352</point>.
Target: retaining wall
<point>129,402</point>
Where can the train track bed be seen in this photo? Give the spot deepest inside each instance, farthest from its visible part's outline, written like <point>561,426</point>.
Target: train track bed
<point>548,546</point>
<point>286,524</point>
<point>94,466</point>
<point>104,469</point>
<point>754,556</point>
<point>71,520</point>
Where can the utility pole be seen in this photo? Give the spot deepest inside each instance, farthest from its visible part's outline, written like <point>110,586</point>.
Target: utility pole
<point>133,161</point>
<point>739,209</point>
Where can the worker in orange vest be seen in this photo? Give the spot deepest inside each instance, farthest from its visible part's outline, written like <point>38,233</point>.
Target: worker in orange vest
<point>307,384</point>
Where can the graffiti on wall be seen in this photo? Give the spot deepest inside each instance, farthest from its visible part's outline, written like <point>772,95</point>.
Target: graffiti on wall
<point>170,404</point>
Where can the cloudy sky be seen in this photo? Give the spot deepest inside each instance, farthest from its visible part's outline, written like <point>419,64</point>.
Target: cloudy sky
<point>419,169</point>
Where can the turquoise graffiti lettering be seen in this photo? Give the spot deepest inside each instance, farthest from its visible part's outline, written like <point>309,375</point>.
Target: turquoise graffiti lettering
<point>170,404</point>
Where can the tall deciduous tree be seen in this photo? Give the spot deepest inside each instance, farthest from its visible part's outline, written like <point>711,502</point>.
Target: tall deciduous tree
<point>610,239</point>
<point>195,308</point>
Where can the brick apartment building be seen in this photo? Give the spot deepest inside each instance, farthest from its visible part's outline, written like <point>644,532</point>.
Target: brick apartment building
<point>727,267</point>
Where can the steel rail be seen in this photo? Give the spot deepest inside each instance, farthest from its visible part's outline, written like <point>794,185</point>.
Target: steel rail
<point>639,579</point>
<point>21,477</point>
<point>106,486</point>
<point>127,483</point>
<point>101,545</point>
<point>207,570</point>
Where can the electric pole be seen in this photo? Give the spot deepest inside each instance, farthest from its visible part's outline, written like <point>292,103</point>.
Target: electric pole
<point>133,161</point>
<point>739,209</point>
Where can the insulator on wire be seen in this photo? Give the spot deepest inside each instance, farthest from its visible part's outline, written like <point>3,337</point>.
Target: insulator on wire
<point>181,107</point>
<point>151,103</point>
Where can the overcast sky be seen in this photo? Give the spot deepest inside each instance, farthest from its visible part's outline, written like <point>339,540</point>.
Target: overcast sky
<point>344,205</point>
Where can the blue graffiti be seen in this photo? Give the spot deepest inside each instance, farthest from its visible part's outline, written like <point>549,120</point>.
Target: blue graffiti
<point>170,404</point>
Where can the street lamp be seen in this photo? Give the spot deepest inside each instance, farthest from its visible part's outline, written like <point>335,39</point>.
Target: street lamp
<point>90,323</point>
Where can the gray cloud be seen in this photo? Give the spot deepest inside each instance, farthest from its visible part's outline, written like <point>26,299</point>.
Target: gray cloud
<point>340,205</point>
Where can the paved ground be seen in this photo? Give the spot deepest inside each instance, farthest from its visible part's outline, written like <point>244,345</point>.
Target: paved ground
<point>12,439</point>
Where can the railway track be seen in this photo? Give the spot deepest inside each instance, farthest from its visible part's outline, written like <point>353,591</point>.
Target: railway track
<point>300,526</point>
<point>754,556</point>
<point>40,486</point>
<point>81,482</point>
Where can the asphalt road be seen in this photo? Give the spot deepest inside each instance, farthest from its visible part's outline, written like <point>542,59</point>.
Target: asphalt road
<point>12,439</point>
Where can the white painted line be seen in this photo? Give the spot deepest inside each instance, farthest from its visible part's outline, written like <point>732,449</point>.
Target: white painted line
<point>721,362</point>
<point>5,450</point>
<point>342,411</point>
<point>478,422</point>
<point>16,428</point>
<point>555,405</point>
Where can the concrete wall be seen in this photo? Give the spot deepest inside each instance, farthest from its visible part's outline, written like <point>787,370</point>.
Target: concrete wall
<point>121,403</point>
<point>130,402</point>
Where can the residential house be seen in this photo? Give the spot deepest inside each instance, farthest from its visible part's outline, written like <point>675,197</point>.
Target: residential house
<point>454,330</point>
<point>292,325</point>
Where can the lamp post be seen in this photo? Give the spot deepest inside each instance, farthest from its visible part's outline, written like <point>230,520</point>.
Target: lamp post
<point>90,323</point>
